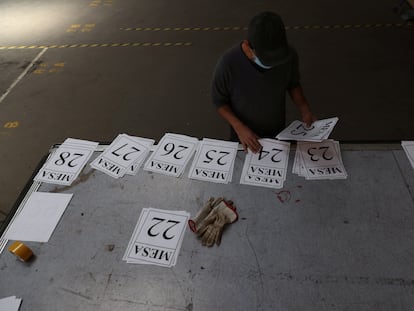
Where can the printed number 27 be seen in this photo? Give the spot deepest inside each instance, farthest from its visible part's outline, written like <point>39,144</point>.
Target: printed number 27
<point>125,156</point>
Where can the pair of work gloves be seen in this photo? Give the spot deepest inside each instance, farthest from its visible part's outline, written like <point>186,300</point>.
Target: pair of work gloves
<point>210,220</point>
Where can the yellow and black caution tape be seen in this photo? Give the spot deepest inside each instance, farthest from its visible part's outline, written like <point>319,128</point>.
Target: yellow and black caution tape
<point>233,28</point>
<point>350,26</point>
<point>97,45</point>
<point>243,28</point>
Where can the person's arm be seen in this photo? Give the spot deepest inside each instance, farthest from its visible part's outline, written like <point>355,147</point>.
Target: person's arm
<point>246,136</point>
<point>299,99</point>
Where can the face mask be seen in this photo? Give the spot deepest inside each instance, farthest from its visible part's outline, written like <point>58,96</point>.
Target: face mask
<point>259,63</point>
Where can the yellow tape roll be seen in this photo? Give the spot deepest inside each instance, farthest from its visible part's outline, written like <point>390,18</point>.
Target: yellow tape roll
<point>21,251</point>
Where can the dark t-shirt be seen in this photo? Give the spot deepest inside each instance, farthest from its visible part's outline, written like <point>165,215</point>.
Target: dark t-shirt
<point>256,96</point>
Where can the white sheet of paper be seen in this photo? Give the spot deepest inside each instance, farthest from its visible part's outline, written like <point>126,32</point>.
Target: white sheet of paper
<point>172,155</point>
<point>214,161</point>
<point>408,147</point>
<point>11,303</point>
<point>157,237</point>
<point>267,168</point>
<point>66,163</point>
<point>318,131</point>
<point>39,217</point>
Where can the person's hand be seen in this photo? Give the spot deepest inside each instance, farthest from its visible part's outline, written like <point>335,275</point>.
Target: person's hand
<point>308,118</point>
<point>248,139</point>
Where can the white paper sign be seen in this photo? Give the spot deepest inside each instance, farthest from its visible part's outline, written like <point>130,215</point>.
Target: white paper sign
<point>66,163</point>
<point>214,161</point>
<point>157,237</point>
<point>120,155</point>
<point>408,147</point>
<point>268,167</point>
<point>134,168</point>
<point>172,154</point>
<point>11,303</point>
<point>39,217</point>
<point>318,131</point>
<point>319,160</point>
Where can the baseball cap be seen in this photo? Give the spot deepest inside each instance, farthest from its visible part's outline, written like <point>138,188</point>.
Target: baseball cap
<point>267,37</point>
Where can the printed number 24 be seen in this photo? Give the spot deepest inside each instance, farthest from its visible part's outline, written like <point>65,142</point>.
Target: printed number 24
<point>263,154</point>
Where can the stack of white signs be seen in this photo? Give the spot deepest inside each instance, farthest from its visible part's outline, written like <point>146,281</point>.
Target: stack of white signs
<point>408,147</point>
<point>214,161</point>
<point>66,163</point>
<point>318,131</point>
<point>320,160</point>
<point>172,154</point>
<point>11,303</point>
<point>157,237</point>
<point>268,167</point>
<point>123,156</point>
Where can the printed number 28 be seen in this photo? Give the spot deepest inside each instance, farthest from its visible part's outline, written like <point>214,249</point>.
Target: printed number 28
<point>64,156</point>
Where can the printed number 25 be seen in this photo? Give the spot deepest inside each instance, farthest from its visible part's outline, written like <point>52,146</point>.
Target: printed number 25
<point>301,130</point>
<point>211,154</point>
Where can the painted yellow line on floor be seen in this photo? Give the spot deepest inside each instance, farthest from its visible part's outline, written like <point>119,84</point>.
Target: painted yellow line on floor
<point>94,45</point>
<point>11,124</point>
<point>296,27</point>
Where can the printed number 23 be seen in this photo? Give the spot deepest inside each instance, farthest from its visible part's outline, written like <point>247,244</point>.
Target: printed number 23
<point>324,155</point>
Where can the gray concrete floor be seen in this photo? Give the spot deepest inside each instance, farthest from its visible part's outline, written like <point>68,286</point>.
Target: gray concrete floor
<point>95,81</point>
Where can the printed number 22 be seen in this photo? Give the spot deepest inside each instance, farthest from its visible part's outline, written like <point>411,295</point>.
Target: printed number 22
<point>153,233</point>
